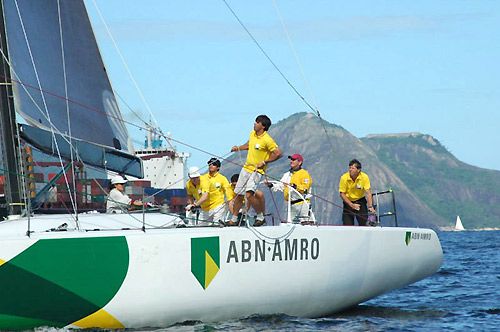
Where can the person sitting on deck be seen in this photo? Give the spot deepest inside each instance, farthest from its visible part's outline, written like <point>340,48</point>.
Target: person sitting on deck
<point>118,201</point>
<point>300,182</point>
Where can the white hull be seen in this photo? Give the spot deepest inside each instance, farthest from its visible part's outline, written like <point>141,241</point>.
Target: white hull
<point>305,271</point>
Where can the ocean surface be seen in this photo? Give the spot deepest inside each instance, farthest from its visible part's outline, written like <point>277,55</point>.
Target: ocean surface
<point>464,295</point>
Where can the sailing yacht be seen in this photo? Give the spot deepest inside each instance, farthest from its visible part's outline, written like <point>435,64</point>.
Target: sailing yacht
<point>136,270</point>
<point>458,224</point>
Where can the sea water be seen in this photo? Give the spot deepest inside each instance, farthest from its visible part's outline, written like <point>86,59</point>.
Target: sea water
<point>463,295</point>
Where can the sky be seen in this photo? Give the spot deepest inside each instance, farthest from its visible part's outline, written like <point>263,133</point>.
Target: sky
<point>371,67</point>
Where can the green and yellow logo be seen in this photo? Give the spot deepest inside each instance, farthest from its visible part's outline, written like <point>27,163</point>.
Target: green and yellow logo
<point>205,259</point>
<point>408,238</point>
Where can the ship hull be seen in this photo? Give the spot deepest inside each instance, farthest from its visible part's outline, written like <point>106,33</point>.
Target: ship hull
<point>157,277</point>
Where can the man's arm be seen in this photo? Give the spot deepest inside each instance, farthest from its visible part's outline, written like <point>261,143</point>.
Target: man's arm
<point>202,199</point>
<point>240,147</point>
<point>275,155</point>
<point>196,203</point>
<point>369,199</point>
<point>348,202</point>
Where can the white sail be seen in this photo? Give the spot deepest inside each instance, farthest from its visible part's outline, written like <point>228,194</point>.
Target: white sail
<point>458,225</point>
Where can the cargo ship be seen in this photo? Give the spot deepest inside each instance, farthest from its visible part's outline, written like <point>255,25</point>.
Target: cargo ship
<point>50,189</point>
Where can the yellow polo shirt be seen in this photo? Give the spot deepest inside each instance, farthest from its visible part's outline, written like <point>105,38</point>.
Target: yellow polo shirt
<point>301,179</point>
<point>219,187</point>
<point>197,191</point>
<point>259,149</point>
<point>354,190</point>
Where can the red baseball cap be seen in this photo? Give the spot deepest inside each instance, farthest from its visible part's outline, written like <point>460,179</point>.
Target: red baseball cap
<point>296,156</point>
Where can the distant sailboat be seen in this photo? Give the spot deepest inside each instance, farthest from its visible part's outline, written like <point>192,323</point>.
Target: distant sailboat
<point>458,225</point>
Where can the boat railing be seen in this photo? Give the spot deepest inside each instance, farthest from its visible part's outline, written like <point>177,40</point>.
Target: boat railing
<point>297,196</point>
<point>391,212</point>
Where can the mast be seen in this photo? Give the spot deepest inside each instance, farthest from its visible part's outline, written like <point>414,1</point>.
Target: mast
<point>9,142</point>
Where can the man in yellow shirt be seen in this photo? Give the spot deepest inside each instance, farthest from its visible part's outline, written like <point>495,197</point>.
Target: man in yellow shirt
<point>355,191</point>
<point>219,192</point>
<point>197,188</point>
<point>262,150</point>
<point>300,182</point>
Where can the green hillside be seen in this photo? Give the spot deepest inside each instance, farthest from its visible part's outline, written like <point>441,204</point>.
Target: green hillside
<point>445,184</point>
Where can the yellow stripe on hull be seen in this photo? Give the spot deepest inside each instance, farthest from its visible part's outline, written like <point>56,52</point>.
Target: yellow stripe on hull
<point>100,319</point>
<point>211,269</point>
<point>2,262</point>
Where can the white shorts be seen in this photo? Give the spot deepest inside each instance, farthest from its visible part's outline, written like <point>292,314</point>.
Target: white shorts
<point>217,214</point>
<point>207,217</point>
<point>247,182</point>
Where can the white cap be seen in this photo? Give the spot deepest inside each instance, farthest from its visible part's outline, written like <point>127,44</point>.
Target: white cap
<point>194,172</point>
<point>118,179</point>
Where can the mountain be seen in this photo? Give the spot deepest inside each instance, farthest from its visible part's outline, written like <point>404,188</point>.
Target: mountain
<point>431,186</point>
<point>446,185</point>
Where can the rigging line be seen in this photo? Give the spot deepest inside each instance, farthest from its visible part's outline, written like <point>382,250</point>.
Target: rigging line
<point>301,69</point>
<point>315,110</point>
<point>36,75</point>
<point>89,108</point>
<point>34,103</point>
<point>30,96</point>
<point>25,85</point>
<point>39,85</point>
<point>35,71</point>
<point>127,68</point>
<point>163,135</point>
<point>137,115</point>
<point>181,180</point>
<point>74,203</point>
<point>264,237</point>
<point>274,202</point>
<point>232,162</point>
<point>269,58</point>
<point>156,130</point>
<point>295,54</point>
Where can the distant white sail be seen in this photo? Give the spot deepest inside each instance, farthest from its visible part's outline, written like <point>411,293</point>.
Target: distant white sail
<point>458,225</point>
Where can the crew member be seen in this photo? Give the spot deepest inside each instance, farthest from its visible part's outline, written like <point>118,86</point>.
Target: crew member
<point>118,201</point>
<point>354,189</point>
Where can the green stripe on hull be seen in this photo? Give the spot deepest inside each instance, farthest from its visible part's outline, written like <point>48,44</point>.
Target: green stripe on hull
<point>21,323</point>
<point>57,282</point>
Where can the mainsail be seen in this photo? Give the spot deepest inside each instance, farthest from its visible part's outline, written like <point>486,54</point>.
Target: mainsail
<point>60,85</point>
<point>57,71</point>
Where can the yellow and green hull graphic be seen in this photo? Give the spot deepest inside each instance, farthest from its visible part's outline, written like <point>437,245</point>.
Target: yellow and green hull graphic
<point>205,259</point>
<point>58,282</point>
